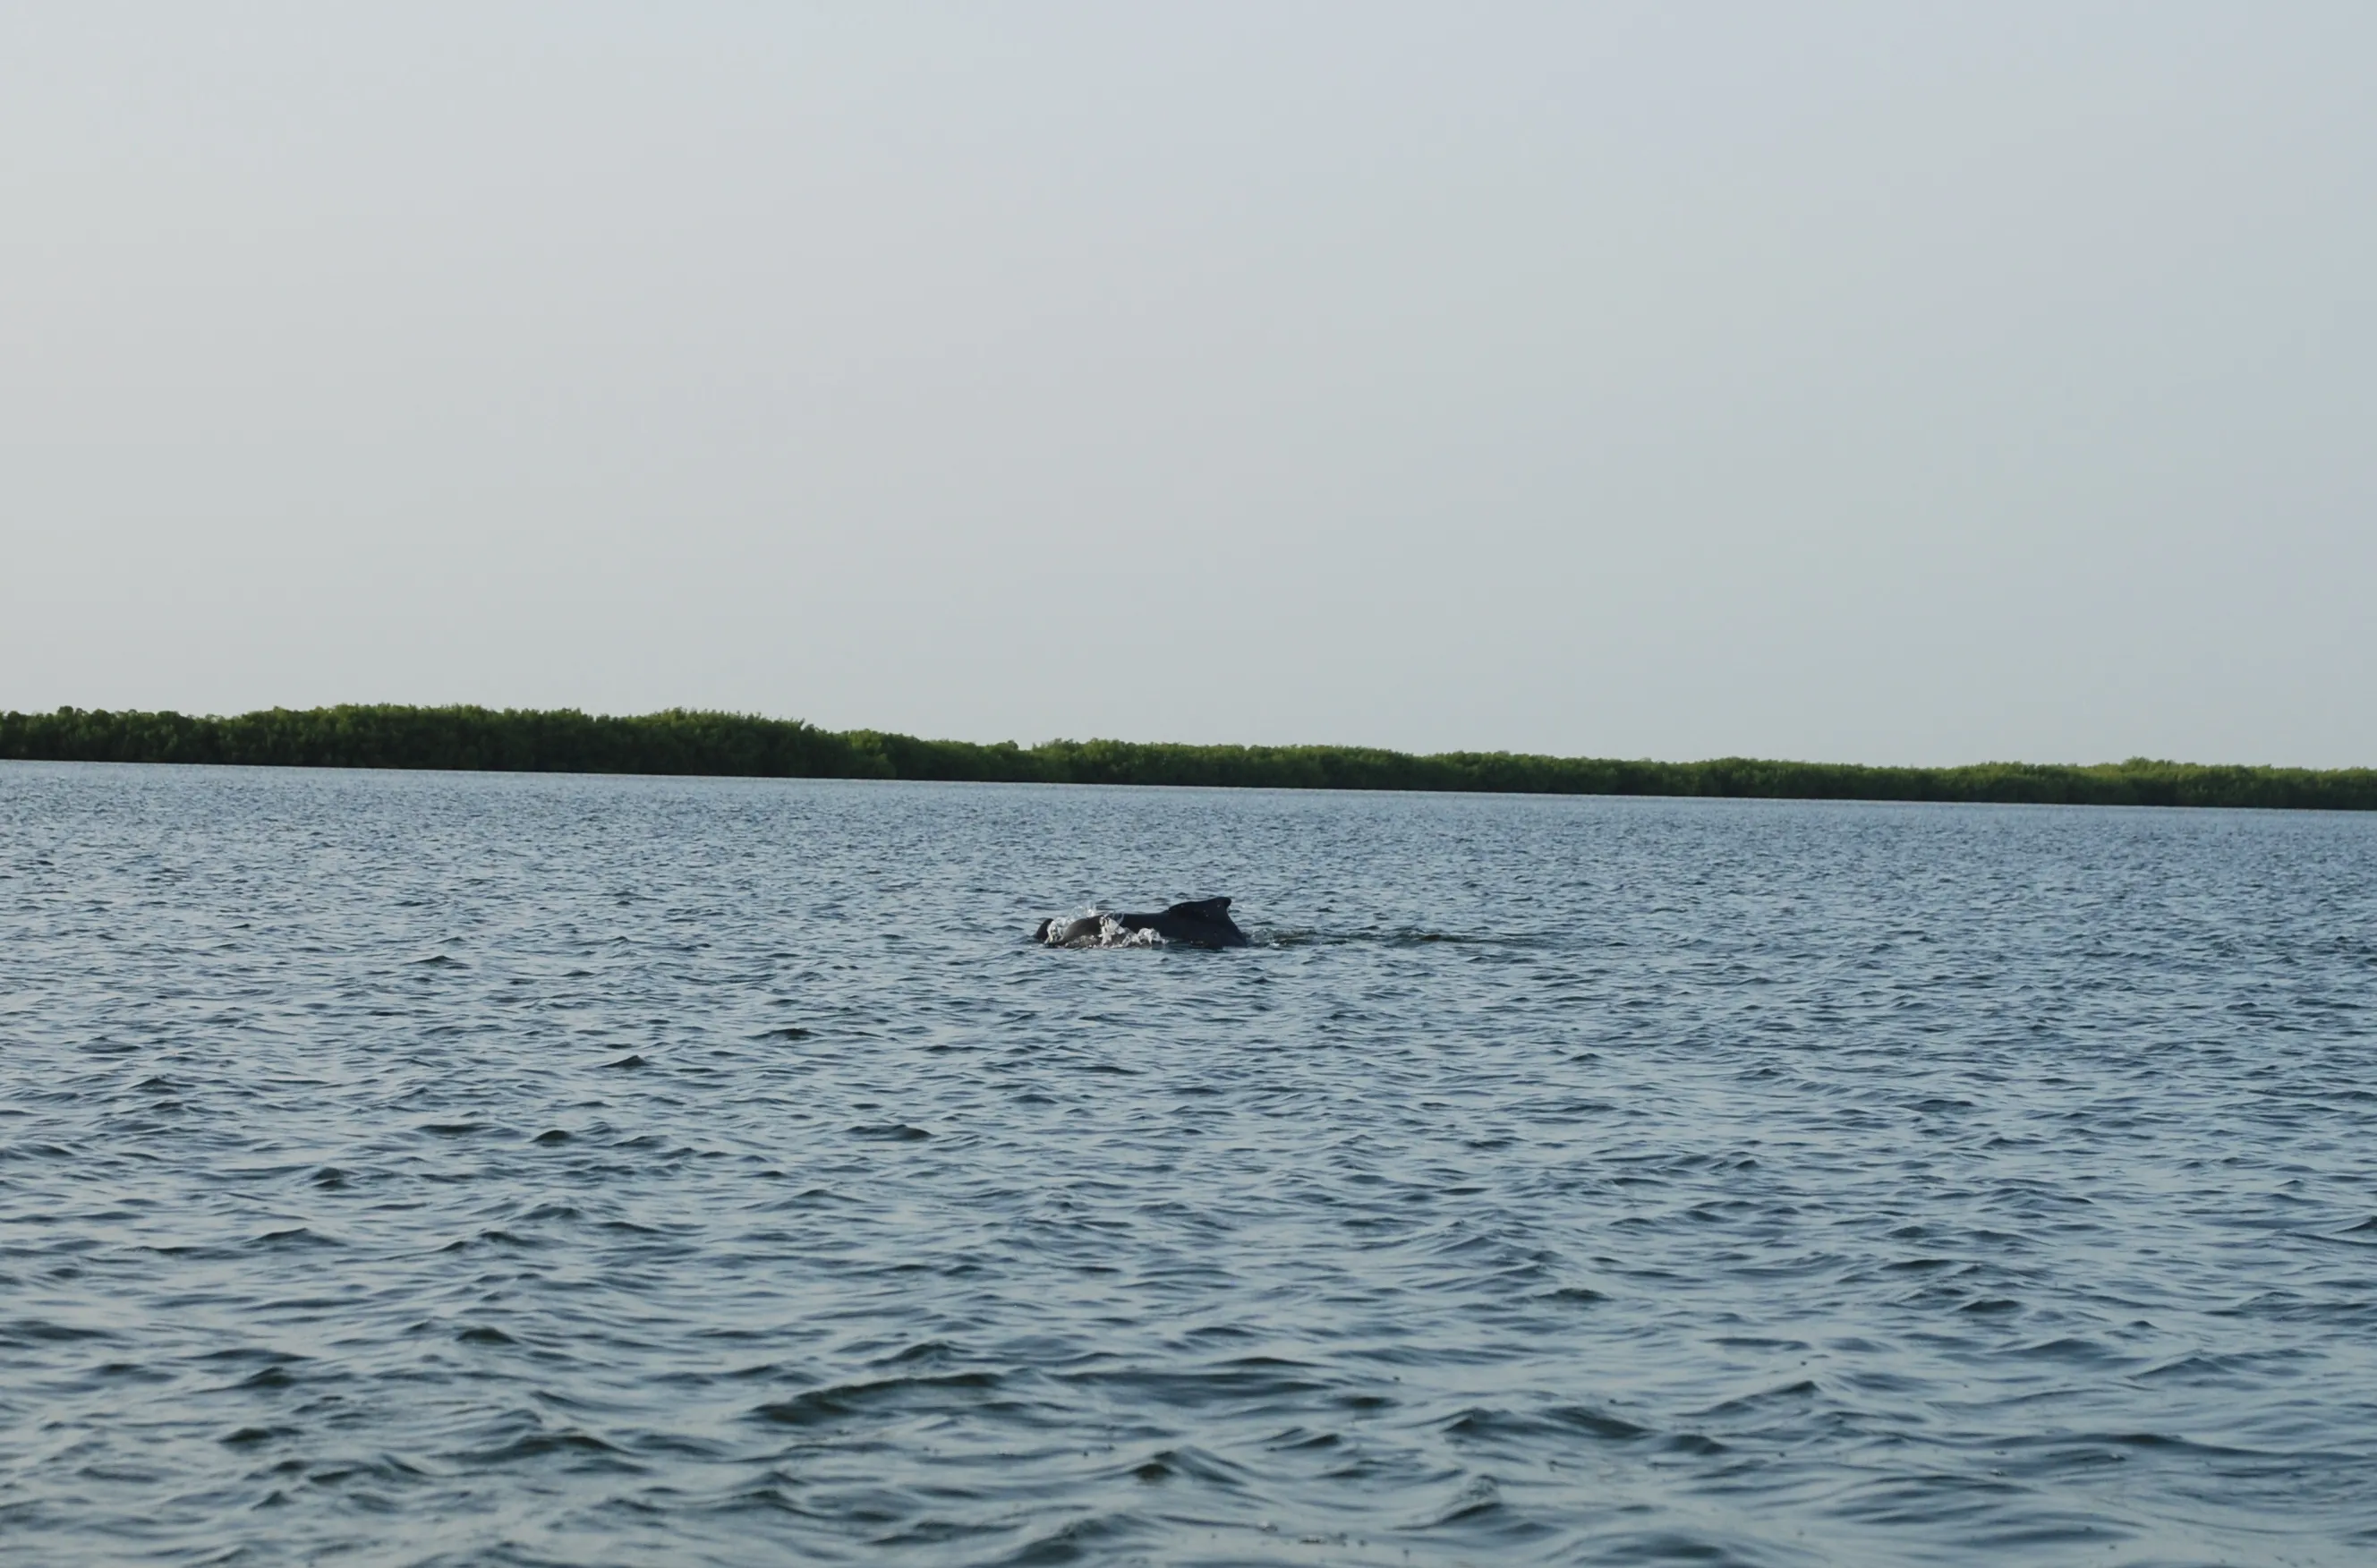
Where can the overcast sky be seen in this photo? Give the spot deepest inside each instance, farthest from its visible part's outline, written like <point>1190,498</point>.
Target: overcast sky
<point>1917,383</point>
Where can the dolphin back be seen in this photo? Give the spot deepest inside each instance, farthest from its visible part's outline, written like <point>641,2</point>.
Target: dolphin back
<point>1202,922</point>
<point>1201,909</point>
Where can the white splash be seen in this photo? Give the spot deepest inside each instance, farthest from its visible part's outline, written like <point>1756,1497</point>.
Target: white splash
<point>1096,928</point>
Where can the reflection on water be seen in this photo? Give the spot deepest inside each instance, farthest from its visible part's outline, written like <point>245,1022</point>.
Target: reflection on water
<point>435,1168</point>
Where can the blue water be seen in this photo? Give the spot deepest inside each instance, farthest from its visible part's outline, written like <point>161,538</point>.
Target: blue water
<point>412,1168</point>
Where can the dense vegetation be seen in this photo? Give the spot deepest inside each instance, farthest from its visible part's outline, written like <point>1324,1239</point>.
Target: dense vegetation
<point>682,742</point>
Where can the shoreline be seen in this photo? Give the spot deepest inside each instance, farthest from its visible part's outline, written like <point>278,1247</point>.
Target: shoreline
<point>680,742</point>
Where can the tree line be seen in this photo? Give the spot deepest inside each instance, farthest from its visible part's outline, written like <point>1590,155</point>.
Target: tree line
<point>682,741</point>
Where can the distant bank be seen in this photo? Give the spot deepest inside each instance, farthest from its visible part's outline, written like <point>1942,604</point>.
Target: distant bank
<point>734,744</point>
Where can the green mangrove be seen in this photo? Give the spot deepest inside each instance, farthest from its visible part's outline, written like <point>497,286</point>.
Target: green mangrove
<point>683,741</point>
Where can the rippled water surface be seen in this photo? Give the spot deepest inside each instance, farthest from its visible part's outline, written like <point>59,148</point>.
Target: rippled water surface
<point>403,1169</point>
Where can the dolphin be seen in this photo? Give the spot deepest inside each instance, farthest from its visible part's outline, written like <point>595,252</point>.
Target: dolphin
<point>1065,933</point>
<point>1203,922</point>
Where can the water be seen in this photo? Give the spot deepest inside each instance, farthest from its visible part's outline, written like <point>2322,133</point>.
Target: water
<point>409,1168</point>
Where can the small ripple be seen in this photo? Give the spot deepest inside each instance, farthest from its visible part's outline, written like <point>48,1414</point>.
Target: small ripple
<point>843,1401</point>
<point>890,1132</point>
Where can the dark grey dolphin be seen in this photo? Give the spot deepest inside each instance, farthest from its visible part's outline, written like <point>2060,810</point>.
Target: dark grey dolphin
<point>1203,923</point>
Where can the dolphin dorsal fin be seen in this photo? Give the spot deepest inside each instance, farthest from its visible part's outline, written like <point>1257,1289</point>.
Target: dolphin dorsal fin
<point>1203,909</point>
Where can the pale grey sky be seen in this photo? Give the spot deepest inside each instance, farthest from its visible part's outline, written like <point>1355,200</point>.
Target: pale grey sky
<point>1886,383</point>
